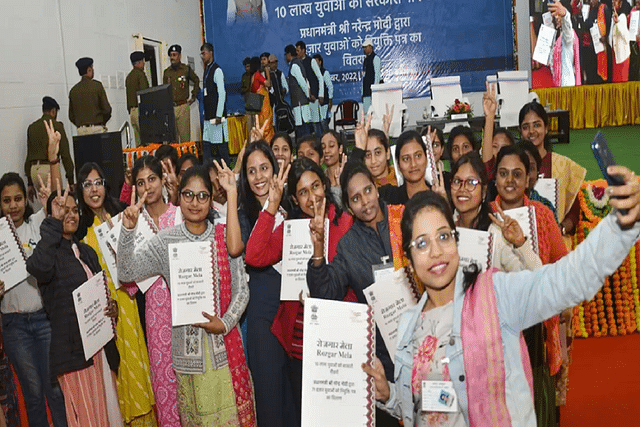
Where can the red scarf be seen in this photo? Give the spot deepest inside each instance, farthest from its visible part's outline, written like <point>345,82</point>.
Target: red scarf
<point>240,377</point>
<point>602,56</point>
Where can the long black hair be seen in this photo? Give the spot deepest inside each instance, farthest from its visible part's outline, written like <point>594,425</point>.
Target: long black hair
<point>150,162</point>
<point>300,166</point>
<point>431,200</point>
<point>12,178</point>
<point>247,200</point>
<point>482,220</point>
<point>111,204</point>
<point>535,107</point>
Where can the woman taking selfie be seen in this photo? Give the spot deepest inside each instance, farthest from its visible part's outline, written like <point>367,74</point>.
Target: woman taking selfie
<point>463,317</point>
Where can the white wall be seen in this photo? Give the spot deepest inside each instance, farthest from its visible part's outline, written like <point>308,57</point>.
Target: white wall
<point>41,42</point>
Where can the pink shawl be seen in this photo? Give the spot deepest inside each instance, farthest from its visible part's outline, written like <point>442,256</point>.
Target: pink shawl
<point>557,61</point>
<point>484,356</point>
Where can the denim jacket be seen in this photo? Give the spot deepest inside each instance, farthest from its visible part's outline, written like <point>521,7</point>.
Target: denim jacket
<point>523,299</point>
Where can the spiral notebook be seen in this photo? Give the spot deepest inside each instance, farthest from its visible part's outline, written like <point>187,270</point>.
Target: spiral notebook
<point>13,260</point>
<point>338,338</point>
<point>90,300</point>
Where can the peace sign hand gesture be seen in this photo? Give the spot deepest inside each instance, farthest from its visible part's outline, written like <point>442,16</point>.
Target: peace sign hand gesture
<point>59,204</point>
<point>386,120</point>
<point>316,226</point>
<point>54,140</point>
<point>511,230</point>
<point>276,188</point>
<point>489,102</point>
<point>44,191</point>
<point>130,215</point>
<point>362,130</point>
<point>226,177</point>
<point>257,132</point>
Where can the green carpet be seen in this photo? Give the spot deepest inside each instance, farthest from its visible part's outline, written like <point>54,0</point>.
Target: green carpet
<point>623,140</point>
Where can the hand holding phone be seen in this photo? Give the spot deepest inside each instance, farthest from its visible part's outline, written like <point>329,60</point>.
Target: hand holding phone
<point>603,155</point>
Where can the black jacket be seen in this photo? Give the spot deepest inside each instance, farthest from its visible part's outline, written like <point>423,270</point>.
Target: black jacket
<point>59,273</point>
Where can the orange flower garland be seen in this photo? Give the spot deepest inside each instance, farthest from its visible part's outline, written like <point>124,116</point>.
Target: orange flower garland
<point>615,309</point>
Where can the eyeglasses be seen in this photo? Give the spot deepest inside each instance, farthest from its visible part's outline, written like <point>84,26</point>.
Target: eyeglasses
<point>95,183</point>
<point>202,196</point>
<point>469,183</point>
<point>422,243</point>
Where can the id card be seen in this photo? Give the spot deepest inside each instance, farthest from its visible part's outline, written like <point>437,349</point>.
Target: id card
<point>439,396</point>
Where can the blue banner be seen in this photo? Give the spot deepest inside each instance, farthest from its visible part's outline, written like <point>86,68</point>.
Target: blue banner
<point>416,39</point>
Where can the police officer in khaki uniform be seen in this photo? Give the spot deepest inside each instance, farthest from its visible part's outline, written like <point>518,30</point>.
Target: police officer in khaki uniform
<point>181,76</point>
<point>37,162</point>
<point>136,81</point>
<point>89,107</point>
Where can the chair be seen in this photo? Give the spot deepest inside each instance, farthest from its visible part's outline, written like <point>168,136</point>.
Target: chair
<point>348,111</point>
<point>444,91</point>
<point>513,87</point>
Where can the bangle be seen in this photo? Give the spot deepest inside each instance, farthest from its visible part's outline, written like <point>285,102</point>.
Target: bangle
<point>317,258</point>
<point>54,162</point>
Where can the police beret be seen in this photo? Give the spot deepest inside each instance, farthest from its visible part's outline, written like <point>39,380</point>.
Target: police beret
<point>175,48</point>
<point>136,56</point>
<point>83,64</point>
<point>49,103</point>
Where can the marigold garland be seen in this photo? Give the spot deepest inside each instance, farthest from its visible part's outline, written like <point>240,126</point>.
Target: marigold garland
<point>615,309</point>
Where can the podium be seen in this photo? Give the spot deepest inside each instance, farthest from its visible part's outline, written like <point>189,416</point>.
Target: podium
<point>105,149</point>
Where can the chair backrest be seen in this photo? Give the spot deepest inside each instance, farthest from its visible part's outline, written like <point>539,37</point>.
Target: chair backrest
<point>513,89</point>
<point>444,91</point>
<point>349,109</point>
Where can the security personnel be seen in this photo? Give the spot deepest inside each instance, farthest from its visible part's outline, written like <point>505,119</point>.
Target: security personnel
<point>37,162</point>
<point>136,81</point>
<point>181,76</point>
<point>89,107</point>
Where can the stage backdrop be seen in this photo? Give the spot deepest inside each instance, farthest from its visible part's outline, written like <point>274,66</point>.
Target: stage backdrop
<point>416,39</point>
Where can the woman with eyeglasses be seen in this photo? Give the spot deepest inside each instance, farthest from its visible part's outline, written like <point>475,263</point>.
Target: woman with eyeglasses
<point>147,180</point>
<point>211,390</point>
<point>512,168</point>
<point>469,188</point>
<point>135,392</point>
<point>467,328</point>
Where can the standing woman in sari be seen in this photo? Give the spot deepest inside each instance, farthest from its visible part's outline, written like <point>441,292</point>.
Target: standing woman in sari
<point>534,126</point>
<point>135,393</point>
<point>214,384</point>
<point>260,84</point>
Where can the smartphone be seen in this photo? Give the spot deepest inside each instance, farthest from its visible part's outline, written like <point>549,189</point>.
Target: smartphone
<point>604,157</point>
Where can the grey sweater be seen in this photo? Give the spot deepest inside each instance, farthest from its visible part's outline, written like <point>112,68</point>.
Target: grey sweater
<point>152,259</point>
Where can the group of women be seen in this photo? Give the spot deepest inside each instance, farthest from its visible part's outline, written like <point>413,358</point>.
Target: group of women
<point>242,365</point>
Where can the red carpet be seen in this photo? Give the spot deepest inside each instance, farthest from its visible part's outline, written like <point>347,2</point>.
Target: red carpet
<point>604,383</point>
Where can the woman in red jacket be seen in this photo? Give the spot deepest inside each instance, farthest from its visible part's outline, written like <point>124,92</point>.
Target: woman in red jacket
<point>309,189</point>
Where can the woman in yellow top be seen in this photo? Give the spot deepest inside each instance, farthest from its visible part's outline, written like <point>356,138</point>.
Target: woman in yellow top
<point>133,382</point>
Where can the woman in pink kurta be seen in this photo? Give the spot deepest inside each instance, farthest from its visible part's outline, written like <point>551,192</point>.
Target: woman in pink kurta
<point>146,176</point>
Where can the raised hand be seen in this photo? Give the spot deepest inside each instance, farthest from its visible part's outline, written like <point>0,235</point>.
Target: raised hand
<point>54,140</point>
<point>257,132</point>
<point>511,230</point>
<point>226,177</point>
<point>59,204</point>
<point>438,185</point>
<point>316,225</point>
<point>238,165</point>
<point>44,191</point>
<point>489,102</point>
<point>130,215</point>
<point>362,131</point>
<point>379,378</point>
<point>276,188</point>
<point>625,197</point>
<point>334,177</point>
<point>170,181</point>
<point>213,326</point>
<point>386,120</point>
